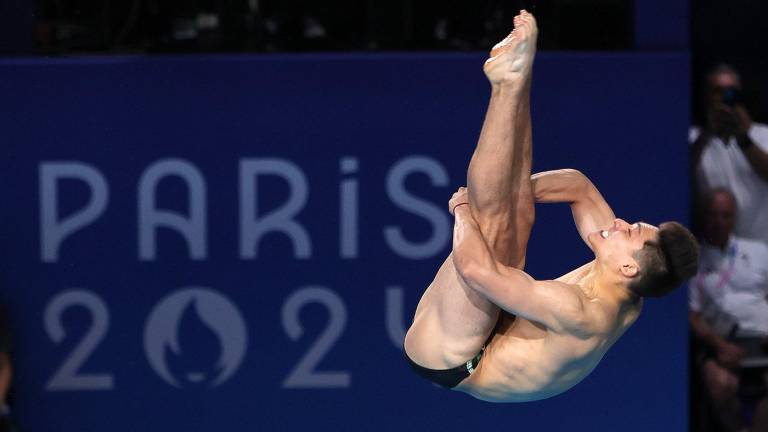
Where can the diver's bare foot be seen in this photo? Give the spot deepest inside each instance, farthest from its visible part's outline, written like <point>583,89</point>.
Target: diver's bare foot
<point>512,58</point>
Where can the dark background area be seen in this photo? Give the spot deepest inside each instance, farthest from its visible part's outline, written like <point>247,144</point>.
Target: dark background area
<point>66,26</point>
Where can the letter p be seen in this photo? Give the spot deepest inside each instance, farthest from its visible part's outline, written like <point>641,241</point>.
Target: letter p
<point>53,228</point>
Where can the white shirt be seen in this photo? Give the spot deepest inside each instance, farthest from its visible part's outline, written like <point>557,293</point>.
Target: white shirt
<point>731,287</point>
<point>726,166</point>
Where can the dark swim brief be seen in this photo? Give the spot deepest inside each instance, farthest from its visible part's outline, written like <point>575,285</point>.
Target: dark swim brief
<point>448,378</point>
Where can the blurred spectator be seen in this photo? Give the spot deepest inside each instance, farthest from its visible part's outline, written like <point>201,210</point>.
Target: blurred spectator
<point>728,308</point>
<point>731,151</point>
<point>6,372</point>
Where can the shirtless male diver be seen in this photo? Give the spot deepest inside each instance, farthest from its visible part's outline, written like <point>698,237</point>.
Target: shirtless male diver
<point>485,327</point>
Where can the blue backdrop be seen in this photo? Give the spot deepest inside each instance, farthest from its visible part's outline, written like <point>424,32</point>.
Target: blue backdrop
<point>238,243</point>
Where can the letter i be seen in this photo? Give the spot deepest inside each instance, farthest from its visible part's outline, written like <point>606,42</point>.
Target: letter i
<point>348,232</point>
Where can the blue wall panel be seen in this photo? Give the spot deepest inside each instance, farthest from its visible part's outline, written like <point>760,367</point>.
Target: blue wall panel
<point>367,149</point>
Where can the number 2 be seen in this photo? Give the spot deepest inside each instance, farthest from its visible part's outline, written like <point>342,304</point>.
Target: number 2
<point>304,374</point>
<point>68,377</point>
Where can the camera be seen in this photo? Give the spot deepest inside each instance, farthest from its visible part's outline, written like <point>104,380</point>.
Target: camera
<point>731,96</point>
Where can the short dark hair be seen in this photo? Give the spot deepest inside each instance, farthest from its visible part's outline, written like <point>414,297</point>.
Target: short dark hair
<point>667,262</point>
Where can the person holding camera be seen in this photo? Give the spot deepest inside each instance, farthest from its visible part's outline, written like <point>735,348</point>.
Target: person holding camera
<point>731,151</point>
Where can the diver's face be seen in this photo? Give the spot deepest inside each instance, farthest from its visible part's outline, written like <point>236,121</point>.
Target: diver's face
<point>620,241</point>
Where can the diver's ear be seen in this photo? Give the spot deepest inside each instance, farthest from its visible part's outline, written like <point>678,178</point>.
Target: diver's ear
<point>629,270</point>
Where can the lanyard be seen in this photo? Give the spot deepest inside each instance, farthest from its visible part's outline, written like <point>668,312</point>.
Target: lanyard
<point>728,273</point>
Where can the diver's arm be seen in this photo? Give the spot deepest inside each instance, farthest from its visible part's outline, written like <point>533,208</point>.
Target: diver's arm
<point>547,302</point>
<point>590,211</point>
